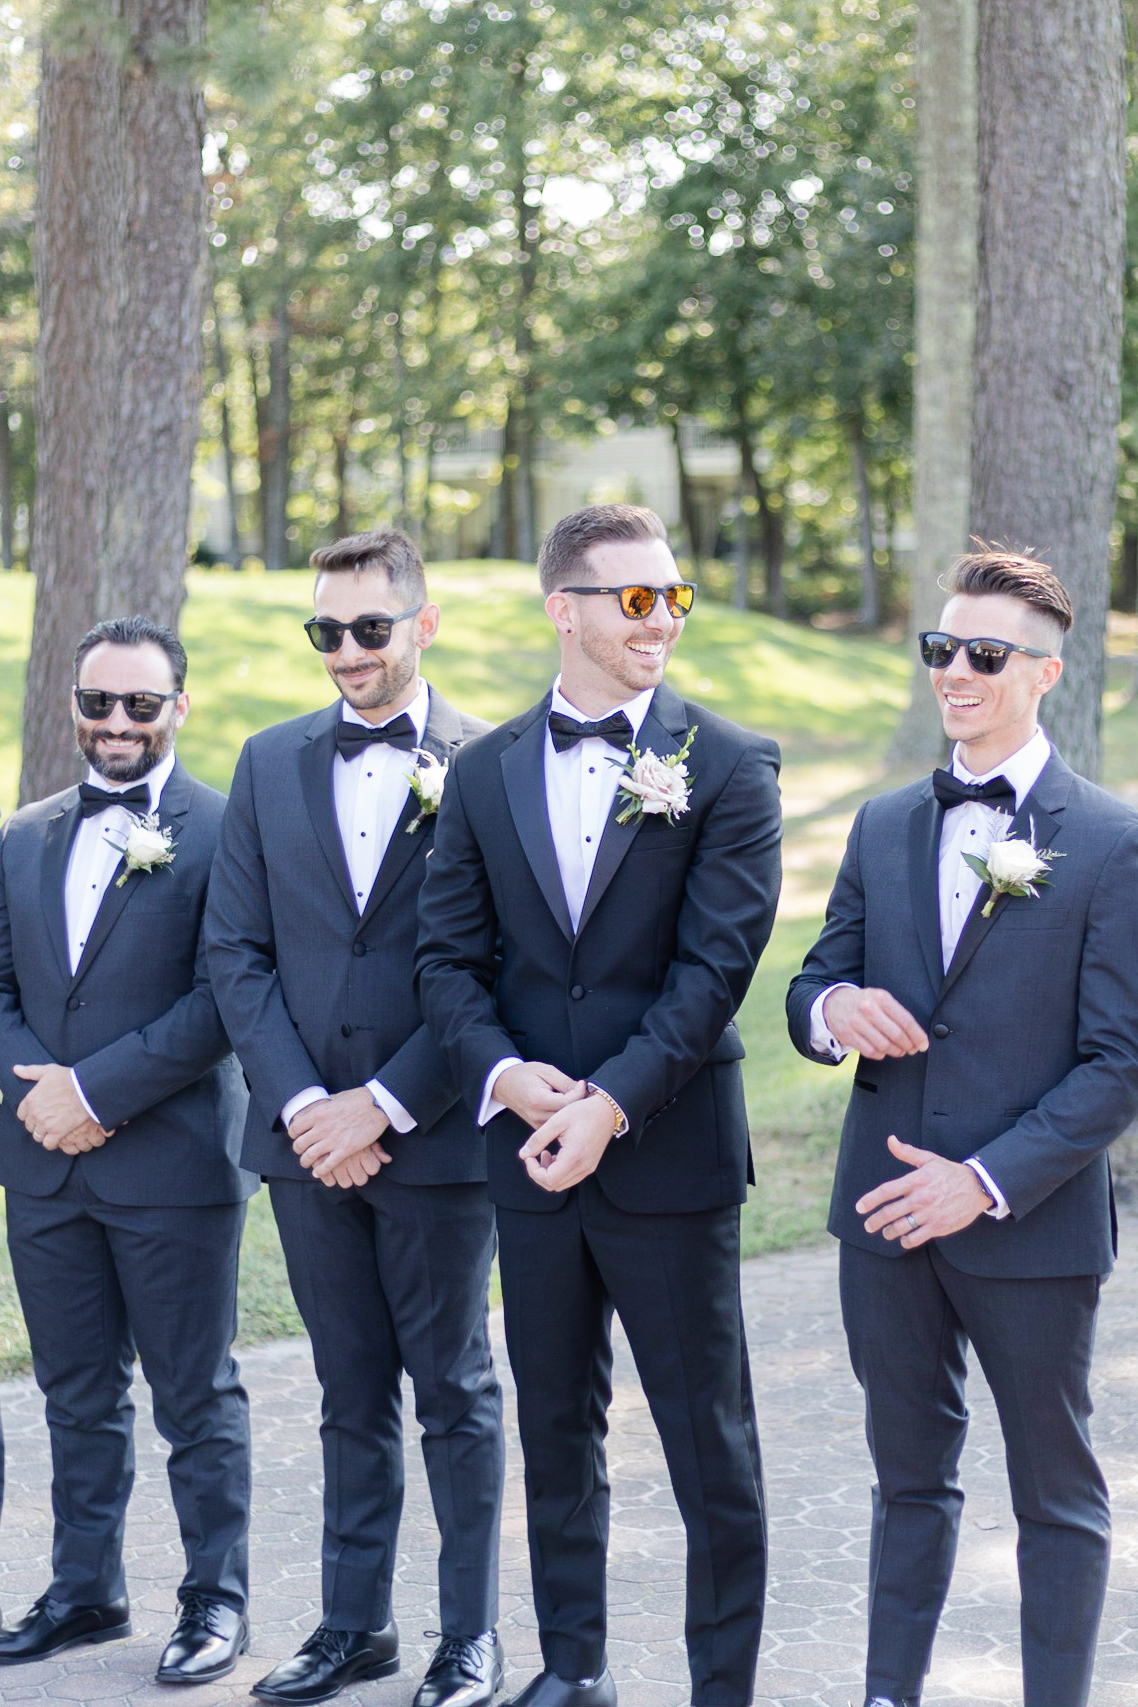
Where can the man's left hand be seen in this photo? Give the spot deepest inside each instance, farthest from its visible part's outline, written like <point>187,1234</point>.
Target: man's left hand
<point>582,1133</point>
<point>328,1134</point>
<point>942,1197</point>
<point>52,1110</point>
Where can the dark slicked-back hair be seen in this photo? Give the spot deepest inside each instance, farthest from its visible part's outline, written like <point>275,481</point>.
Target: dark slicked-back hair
<point>134,631</point>
<point>383,548</point>
<point>561,560</point>
<point>1018,576</point>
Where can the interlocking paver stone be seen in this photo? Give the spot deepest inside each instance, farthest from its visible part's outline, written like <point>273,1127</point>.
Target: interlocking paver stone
<point>818,1478</point>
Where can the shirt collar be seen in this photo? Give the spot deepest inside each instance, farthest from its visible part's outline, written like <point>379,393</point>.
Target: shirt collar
<point>418,711</point>
<point>1022,770</point>
<point>636,710</point>
<point>155,780</point>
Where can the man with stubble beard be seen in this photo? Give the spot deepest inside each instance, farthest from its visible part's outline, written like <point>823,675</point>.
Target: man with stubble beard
<point>376,1170</point>
<point>119,1132</point>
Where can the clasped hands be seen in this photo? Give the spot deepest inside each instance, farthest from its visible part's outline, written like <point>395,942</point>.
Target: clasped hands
<point>572,1130</point>
<point>53,1113</point>
<point>338,1137</point>
<point>938,1197</point>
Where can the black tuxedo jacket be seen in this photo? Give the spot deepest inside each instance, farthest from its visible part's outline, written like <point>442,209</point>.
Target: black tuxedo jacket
<point>641,998</point>
<point>1032,1063</point>
<point>313,992</point>
<point>137,1019</point>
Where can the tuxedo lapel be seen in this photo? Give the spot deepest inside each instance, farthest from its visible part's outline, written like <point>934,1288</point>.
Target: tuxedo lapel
<point>523,774</point>
<point>925,822</point>
<point>314,762</point>
<point>441,738</point>
<point>172,808</point>
<point>662,732</point>
<point>58,837</point>
<point>1037,820</point>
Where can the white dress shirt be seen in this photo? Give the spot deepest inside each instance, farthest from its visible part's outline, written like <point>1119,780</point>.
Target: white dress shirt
<point>580,787</point>
<point>970,828</point>
<point>369,791</point>
<point>93,861</point>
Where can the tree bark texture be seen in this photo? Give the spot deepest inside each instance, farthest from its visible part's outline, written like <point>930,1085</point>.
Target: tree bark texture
<point>120,274</point>
<point>1049,313</point>
<point>945,332</point>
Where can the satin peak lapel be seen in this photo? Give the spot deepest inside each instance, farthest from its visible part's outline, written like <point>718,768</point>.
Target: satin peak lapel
<point>618,838</point>
<point>58,837</point>
<point>924,883</point>
<point>1032,822</point>
<point>314,761</point>
<point>523,773</point>
<point>405,844</point>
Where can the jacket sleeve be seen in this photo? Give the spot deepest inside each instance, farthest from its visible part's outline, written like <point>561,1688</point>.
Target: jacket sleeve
<point>242,958</point>
<point>1098,1099</point>
<point>18,1042</point>
<point>838,957</point>
<point>724,924</point>
<point>456,962</point>
<point>418,1075</point>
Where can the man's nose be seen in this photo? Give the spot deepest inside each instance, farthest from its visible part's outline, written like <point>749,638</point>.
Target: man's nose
<point>118,723</point>
<point>351,652</point>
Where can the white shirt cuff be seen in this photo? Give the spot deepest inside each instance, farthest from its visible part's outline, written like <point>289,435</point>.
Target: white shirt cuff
<point>999,1210</point>
<point>83,1099</point>
<point>822,1039</point>
<point>302,1099</point>
<point>391,1106</point>
<point>489,1108</point>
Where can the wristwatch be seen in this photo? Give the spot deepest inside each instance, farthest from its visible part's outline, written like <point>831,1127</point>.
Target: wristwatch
<point>620,1119</point>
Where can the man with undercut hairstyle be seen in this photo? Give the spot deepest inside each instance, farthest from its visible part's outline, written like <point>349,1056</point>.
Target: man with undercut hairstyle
<point>980,954</point>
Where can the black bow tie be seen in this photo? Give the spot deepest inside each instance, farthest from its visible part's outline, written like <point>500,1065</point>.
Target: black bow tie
<point>352,738</point>
<point>566,731</point>
<point>92,799</point>
<point>997,792</point>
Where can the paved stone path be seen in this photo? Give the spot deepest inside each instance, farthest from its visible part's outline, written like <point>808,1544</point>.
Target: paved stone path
<point>818,1479</point>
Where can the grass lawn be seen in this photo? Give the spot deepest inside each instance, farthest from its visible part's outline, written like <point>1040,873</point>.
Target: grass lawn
<point>831,700</point>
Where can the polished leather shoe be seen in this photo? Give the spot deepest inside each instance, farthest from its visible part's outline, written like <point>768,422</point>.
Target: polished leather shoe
<point>888,1701</point>
<point>52,1625</point>
<point>208,1640</point>
<point>465,1671</point>
<point>549,1690</point>
<point>329,1661</point>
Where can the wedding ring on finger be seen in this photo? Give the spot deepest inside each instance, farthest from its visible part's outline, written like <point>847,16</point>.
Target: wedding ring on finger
<point>914,1224</point>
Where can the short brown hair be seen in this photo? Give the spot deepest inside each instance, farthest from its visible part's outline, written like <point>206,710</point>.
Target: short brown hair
<point>388,549</point>
<point>1017,575</point>
<point>561,559</point>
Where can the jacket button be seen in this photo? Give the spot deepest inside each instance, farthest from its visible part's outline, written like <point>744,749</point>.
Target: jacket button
<point>941,1031</point>
<point>359,949</point>
<point>577,992</point>
<point>345,1030</point>
<point>72,1004</point>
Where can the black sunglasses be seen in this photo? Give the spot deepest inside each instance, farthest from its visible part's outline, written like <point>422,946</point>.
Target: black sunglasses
<point>96,704</point>
<point>987,657</point>
<point>639,602</point>
<point>370,632</point>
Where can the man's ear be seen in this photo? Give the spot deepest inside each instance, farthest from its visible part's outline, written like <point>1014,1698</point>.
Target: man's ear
<point>1050,673</point>
<point>559,611</point>
<point>427,626</point>
<point>181,709</point>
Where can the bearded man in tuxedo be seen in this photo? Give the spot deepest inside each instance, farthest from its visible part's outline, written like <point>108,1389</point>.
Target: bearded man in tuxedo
<point>375,1170</point>
<point>119,1134</point>
<point>991,993</point>
<point>589,930</point>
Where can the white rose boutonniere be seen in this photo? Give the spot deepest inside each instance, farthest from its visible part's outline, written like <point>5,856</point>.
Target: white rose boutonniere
<point>1012,867</point>
<point>652,786</point>
<point>427,782</point>
<point>147,847</point>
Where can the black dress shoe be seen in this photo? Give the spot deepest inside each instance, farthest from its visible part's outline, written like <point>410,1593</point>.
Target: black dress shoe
<point>208,1640</point>
<point>549,1690</point>
<point>52,1625</point>
<point>465,1671</point>
<point>329,1661</point>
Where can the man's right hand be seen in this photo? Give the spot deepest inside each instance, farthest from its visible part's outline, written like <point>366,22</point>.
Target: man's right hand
<point>88,1136</point>
<point>873,1022</point>
<point>536,1090</point>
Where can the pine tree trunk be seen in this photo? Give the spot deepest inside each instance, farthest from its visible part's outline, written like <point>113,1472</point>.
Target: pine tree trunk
<point>221,363</point>
<point>275,440</point>
<point>119,275</point>
<point>945,334</point>
<point>1128,573</point>
<point>868,615</point>
<point>1048,336</point>
<point>687,500</point>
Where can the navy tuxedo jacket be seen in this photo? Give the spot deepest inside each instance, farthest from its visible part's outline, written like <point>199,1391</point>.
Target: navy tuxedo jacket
<point>313,992</point>
<point>137,1019</point>
<point>1032,1063</point>
<point>641,998</point>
